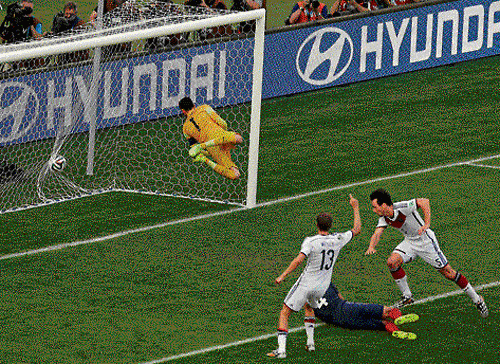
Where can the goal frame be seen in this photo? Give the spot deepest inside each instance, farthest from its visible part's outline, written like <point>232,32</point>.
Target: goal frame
<point>103,37</point>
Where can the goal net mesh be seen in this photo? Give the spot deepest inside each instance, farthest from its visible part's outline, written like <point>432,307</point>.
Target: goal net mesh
<point>112,112</point>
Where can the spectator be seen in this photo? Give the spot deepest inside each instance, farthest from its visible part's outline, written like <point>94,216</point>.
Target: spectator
<point>308,10</point>
<point>66,19</point>
<point>345,7</point>
<point>211,4</point>
<point>245,5</point>
<point>108,6</point>
<point>35,31</point>
<point>167,8</point>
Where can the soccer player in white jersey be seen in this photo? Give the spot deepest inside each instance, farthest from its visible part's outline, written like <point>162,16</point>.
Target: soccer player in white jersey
<point>321,252</point>
<point>419,240</point>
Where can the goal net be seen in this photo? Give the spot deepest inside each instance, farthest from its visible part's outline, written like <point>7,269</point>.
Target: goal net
<point>105,98</point>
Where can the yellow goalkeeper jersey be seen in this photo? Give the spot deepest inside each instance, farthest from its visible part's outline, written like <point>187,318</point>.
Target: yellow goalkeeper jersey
<point>203,124</point>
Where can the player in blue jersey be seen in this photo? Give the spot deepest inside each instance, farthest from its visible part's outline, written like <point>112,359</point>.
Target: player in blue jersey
<point>333,309</point>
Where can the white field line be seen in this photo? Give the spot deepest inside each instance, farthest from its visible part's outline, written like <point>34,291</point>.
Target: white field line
<point>268,336</point>
<point>225,212</point>
<point>483,165</point>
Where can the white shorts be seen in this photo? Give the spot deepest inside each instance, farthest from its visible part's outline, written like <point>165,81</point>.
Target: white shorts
<point>300,293</point>
<point>426,247</point>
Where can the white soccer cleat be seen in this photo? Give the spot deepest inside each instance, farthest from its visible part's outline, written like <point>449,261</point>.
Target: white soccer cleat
<point>310,347</point>
<point>276,354</point>
<point>404,301</point>
<point>483,309</point>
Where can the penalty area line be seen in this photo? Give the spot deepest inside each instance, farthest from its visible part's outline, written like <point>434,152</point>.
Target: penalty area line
<point>301,328</point>
<point>226,212</point>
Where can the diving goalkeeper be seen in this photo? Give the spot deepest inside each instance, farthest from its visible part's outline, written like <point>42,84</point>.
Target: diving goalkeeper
<point>208,136</point>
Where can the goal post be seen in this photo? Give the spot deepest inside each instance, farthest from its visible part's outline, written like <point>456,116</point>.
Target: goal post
<point>113,113</point>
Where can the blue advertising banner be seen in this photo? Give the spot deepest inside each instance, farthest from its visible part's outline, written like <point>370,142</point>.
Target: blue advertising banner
<point>382,45</point>
<point>144,88</point>
<point>36,106</point>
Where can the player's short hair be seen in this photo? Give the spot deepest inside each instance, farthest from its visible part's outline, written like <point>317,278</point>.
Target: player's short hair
<point>186,104</point>
<point>324,221</point>
<point>382,196</point>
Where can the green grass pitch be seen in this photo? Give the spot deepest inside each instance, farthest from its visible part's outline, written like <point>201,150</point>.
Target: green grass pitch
<point>197,284</point>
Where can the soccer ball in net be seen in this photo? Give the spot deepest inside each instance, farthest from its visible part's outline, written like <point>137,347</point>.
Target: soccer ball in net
<point>57,163</point>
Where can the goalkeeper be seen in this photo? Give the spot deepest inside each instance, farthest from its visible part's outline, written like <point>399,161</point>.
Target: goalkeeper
<point>207,135</point>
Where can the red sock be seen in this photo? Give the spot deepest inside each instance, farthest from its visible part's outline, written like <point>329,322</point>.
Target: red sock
<point>390,327</point>
<point>398,273</point>
<point>461,280</point>
<point>394,313</point>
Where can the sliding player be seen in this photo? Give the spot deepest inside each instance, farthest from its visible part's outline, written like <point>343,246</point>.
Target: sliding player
<point>333,309</point>
<point>207,135</point>
<point>419,241</point>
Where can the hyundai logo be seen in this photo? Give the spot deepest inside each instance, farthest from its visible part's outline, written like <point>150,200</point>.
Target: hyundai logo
<point>19,109</point>
<point>324,56</point>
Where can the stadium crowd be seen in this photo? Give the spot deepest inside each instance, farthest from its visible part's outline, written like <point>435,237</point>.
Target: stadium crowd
<point>313,10</point>
<point>20,24</point>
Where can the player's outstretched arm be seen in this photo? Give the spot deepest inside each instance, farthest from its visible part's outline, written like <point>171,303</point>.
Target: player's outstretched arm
<point>293,265</point>
<point>374,241</point>
<point>356,229</point>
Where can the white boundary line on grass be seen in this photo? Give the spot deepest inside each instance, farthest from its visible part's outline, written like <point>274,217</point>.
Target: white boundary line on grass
<point>483,165</point>
<point>225,212</point>
<point>268,336</point>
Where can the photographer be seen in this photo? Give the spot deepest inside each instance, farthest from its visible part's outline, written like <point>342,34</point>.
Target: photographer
<point>346,7</point>
<point>308,10</point>
<point>66,19</point>
<point>19,24</point>
<point>214,32</point>
<point>244,5</point>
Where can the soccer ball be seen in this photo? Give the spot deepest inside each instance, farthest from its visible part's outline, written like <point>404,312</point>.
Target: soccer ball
<point>57,163</point>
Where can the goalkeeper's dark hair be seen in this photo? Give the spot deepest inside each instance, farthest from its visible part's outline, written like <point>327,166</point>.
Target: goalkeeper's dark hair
<point>186,104</point>
<point>382,196</point>
<point>324,221</point>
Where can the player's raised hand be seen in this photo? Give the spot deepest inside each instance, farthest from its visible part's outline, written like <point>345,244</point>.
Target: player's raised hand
<point>353,202</point>
<point>370,251</point>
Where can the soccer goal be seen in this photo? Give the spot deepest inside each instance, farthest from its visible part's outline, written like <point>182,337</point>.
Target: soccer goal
<point>102,101</point>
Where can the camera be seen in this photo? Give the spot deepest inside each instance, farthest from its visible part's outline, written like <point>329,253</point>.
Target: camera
<point>16,23</point>
<point>16,10</point>
<point>62,23</point>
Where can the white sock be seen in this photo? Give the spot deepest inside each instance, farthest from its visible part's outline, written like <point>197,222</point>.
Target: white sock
<point>309,324</point>
<point>282,341</point>
<point>402,284</point>
<point>471,292</point>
